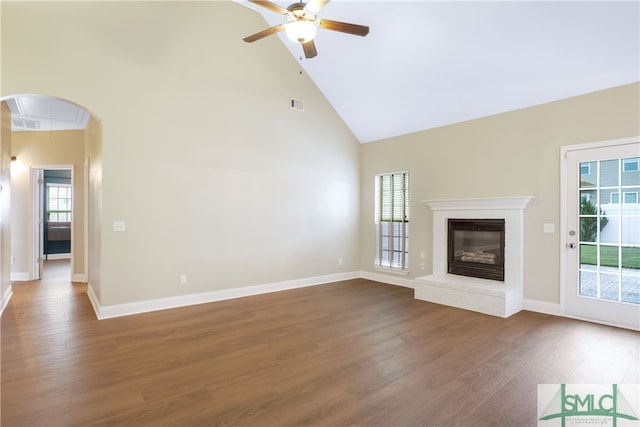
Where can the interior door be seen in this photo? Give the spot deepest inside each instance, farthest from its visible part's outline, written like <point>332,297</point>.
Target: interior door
<point>602,232</point>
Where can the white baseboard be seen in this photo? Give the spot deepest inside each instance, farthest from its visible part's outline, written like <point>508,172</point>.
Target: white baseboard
<point>19,277</point>
<point>5,298</point>
<point>126,309</point>
<point>79,278</point>
<point>542,307</point>
<point>93,299</point>
<point>388,279</point>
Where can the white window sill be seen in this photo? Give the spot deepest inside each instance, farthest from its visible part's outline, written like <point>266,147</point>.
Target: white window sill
<point>391,270</point>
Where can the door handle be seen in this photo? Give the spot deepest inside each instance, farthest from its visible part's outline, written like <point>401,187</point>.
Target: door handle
<point>571,245</point>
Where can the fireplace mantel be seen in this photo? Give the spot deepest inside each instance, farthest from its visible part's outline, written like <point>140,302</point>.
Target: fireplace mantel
<point>487,296</point>
<point>490,203</point>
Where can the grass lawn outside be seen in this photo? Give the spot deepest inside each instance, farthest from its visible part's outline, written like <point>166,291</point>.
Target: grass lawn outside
<point>609,256</point>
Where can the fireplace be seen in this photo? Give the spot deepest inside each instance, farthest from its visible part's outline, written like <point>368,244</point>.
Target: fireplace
<point>501,295</point>
<point>475,248</point>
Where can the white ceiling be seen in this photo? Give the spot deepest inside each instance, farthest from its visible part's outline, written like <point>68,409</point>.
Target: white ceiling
<point>426,64</point>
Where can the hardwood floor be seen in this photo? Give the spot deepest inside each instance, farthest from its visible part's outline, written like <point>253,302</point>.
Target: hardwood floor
<point>349,353</point>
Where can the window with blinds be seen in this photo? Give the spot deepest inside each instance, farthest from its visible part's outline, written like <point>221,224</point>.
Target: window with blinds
<point>58,203</point>
<point>392,220</point>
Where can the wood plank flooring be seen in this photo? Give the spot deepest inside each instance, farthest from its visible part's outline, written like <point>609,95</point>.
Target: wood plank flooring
<point>353,353</point>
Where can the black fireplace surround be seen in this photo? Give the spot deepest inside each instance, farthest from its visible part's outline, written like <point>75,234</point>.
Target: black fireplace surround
<point>476,248</point>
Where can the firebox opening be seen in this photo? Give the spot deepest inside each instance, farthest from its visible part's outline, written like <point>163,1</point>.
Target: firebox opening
<point>476,248</point>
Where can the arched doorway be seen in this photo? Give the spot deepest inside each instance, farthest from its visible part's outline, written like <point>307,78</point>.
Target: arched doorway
<point>48,134</point>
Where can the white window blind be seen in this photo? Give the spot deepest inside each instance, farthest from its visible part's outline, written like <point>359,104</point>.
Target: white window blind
<point>392,220</point>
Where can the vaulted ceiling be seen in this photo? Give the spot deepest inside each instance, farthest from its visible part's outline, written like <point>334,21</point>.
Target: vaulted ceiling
<point>426,64</point>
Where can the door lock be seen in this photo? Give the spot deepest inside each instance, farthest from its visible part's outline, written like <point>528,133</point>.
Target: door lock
<point>571,245</point>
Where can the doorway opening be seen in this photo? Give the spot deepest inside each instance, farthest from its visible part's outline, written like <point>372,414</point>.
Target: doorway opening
<point>55,142</point>
<point>57,220</point>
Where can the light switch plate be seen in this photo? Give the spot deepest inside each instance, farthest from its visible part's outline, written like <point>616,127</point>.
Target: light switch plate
<point>119,226</point>
<point>549,228</point>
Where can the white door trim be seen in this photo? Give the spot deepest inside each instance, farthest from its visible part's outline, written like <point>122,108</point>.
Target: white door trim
<point>564,154</point>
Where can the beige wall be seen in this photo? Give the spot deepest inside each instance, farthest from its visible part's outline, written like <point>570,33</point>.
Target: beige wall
<point>511,154</point>
<point>215,176</point>
<point>5,200</point>
<point>45,150</point>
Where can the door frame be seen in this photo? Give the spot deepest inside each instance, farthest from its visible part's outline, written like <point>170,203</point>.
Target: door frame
<point>564,178</point>
<point>37,223</point>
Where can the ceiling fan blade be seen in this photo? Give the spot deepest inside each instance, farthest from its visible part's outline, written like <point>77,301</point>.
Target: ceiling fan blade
<point>271,6</point>
<point>309,49</point>
<point>314,6</point>
<point>264,33</point>
<point>344,27</point>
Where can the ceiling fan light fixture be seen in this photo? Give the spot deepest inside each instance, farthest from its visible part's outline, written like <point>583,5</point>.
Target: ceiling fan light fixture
<point>301,31</point>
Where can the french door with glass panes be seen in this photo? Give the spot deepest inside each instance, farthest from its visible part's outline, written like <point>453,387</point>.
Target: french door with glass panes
<point>602,232</point>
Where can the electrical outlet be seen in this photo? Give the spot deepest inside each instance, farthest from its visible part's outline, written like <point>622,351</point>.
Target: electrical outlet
<point>549,228</point>
<point>422,266</point>
<point>183,279</point>
<point>339,261</point>
<point>12,260</point>
<point>119,226</point>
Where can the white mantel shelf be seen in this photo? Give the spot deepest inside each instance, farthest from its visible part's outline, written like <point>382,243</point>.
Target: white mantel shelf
<point>486,296</point>
<point>489,203</point>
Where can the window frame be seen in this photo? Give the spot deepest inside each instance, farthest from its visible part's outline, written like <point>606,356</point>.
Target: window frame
<point>69,212</point>
<point>390,263</point>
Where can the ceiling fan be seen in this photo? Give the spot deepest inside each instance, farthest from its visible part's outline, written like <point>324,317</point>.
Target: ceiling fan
<point>302,24</point>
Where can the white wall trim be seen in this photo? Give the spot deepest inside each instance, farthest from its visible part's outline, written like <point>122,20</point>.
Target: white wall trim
<point>79,278</point>
<point>388,279</point>
<point>542,307</point>
<point>126,309</point>
<point>93,299</point>
<point>5,298</point>
<point>20,277</point>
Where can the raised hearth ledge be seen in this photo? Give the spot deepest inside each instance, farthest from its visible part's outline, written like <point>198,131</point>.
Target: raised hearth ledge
<point>481,295</point>
<point>486,296</point>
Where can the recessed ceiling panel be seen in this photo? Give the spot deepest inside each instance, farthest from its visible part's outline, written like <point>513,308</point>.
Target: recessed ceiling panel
<point>40,112</point>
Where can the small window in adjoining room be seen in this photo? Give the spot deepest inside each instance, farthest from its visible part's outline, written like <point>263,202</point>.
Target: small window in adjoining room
<point>631,164</point>
<point>58,203</point>
<point>392,221</point>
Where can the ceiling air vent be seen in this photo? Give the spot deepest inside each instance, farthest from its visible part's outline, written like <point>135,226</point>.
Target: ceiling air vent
<point>25,124</point>
<point>296,104</point>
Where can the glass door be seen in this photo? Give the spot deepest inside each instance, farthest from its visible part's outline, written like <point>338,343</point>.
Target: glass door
<point>603,234</point>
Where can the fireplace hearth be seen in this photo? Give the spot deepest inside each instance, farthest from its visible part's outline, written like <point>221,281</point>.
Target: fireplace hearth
<point>475,248</point>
